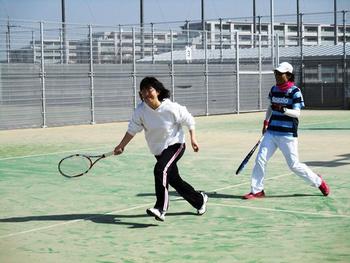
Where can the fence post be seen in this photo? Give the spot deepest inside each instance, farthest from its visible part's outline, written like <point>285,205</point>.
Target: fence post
<point>301,41</point>
<point>172,65</point>
<point>91,76</point>
<point>277,46</point>
<point>115,43</point>
<point>42,76</point>
<point>237,72</point>
<point>221,42</point>
<point>134,66</point>
<point>152,50</point>
<point>260,69</point>
<point>345,81</point>
<point>206,73</point>
<point>121,44</point>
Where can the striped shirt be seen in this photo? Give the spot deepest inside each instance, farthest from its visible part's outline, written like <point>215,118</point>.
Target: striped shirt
<point>279,123</point>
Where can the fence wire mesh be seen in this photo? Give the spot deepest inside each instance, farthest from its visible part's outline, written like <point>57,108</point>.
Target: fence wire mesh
<point>53,74</point>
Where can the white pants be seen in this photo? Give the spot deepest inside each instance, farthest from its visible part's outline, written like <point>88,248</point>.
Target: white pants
<point>289,147</point>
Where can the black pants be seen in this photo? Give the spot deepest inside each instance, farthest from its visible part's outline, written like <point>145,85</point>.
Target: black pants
<point>166,172</point>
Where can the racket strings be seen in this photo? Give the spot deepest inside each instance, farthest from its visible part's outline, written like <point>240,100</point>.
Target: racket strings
<point>75,165</point>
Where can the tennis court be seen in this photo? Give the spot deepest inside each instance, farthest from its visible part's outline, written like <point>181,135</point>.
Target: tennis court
<point>100,217</point>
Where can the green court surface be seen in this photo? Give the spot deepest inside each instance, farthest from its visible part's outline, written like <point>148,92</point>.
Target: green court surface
<point>100,217</point>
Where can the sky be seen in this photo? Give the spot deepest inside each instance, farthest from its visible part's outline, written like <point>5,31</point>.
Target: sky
<point>125,12</point>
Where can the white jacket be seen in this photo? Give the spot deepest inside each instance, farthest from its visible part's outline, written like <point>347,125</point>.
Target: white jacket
<point>162,126</point>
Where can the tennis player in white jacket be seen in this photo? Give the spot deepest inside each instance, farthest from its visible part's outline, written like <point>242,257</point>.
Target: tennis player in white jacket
<point>162,121</point>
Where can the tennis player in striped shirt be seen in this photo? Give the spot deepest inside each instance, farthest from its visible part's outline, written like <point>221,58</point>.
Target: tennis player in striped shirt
<point>280,131</point>
<point>162,121</point>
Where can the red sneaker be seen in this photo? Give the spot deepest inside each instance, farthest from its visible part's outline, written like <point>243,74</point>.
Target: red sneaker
<point>256,195</point>
<point>324,188</point>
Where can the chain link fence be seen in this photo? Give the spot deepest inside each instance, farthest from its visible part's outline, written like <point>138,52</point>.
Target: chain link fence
<point>54,75</point>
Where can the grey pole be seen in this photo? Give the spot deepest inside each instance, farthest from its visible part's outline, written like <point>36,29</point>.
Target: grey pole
<point>142,29</point>
<point>134,66</point>
<point>65,44</point>
<point>206,73</point>
<point>298,22</point>
<point>345,82</point>
<point>254,23</point>
<point>260,69</point>
<point>237,72</point>
<point>172,65</point>
<point>42,76</point>
<point>221,41</point>
<point>152,31</point>
<point>120,44</point>
<point>335,23</point>
<point>203,21</point>
<point>272,33</point>
<point>91,75</point>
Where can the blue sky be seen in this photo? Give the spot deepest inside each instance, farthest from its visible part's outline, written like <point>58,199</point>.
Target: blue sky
<point>114,12</point>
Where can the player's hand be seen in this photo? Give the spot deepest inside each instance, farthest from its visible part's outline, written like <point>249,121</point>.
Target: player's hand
<point>118,150</point>
<point>265,125</point>
<point>195,146</point>
<point>278,107</point>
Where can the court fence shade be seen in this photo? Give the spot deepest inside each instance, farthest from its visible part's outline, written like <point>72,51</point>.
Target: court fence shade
<point>55,75</point>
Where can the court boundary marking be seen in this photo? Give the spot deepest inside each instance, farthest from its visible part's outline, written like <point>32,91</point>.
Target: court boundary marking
<point>180,198</point>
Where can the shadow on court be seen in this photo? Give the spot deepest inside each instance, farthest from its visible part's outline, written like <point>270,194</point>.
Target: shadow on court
<point>231,196</point>
<point>96,218</point>
<point>344,159</point>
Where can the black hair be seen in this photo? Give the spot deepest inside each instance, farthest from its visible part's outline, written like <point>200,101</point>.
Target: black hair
<point>148,82</point>
<point>291,76</point>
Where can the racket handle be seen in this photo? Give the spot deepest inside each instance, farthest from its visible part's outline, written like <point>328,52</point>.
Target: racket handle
<point>108,154</point>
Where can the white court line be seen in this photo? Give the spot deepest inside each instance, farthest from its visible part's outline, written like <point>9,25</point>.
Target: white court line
<point>180,198</point>
<point>282,210</point>
<point>73,221</point>
<point>54,153</point>
<point>92,149</point>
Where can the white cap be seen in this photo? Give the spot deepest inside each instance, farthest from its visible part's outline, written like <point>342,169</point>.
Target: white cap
<point>284,67</point>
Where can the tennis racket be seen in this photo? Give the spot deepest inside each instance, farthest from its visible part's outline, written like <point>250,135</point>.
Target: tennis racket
<point>249,155</point>
<point>76,165</point>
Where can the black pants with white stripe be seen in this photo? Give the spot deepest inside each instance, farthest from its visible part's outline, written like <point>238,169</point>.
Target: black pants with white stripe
<point>166,172</point>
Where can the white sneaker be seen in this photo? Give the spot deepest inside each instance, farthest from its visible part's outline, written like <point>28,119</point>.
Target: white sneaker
<point>203,209</point>
<point>158,215</point>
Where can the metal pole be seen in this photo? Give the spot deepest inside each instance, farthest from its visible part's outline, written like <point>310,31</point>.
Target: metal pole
<point>277,45</point>
<point>142,29</point>
<point>172,65</point>
<point>8,40</point>
<point>237,72</point>
<point>152,32</point>
<point>134,66</point>
<point>221,42</point>
<point>33,47</point>
<point>65,44</point>
<point>91,75</point>
<point>120,44</point>
<point>188,33</point>
<point>272,31</point>
<point>298,22</point>
<point>42,76</point>
<point>254,23</point>
<point>115,47</point>
<point>301,39</point>
<point>335,23</point>
<point>206,74</point>
<point>345,82</point>
<point>260,76</point>
<point>203,22</point>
